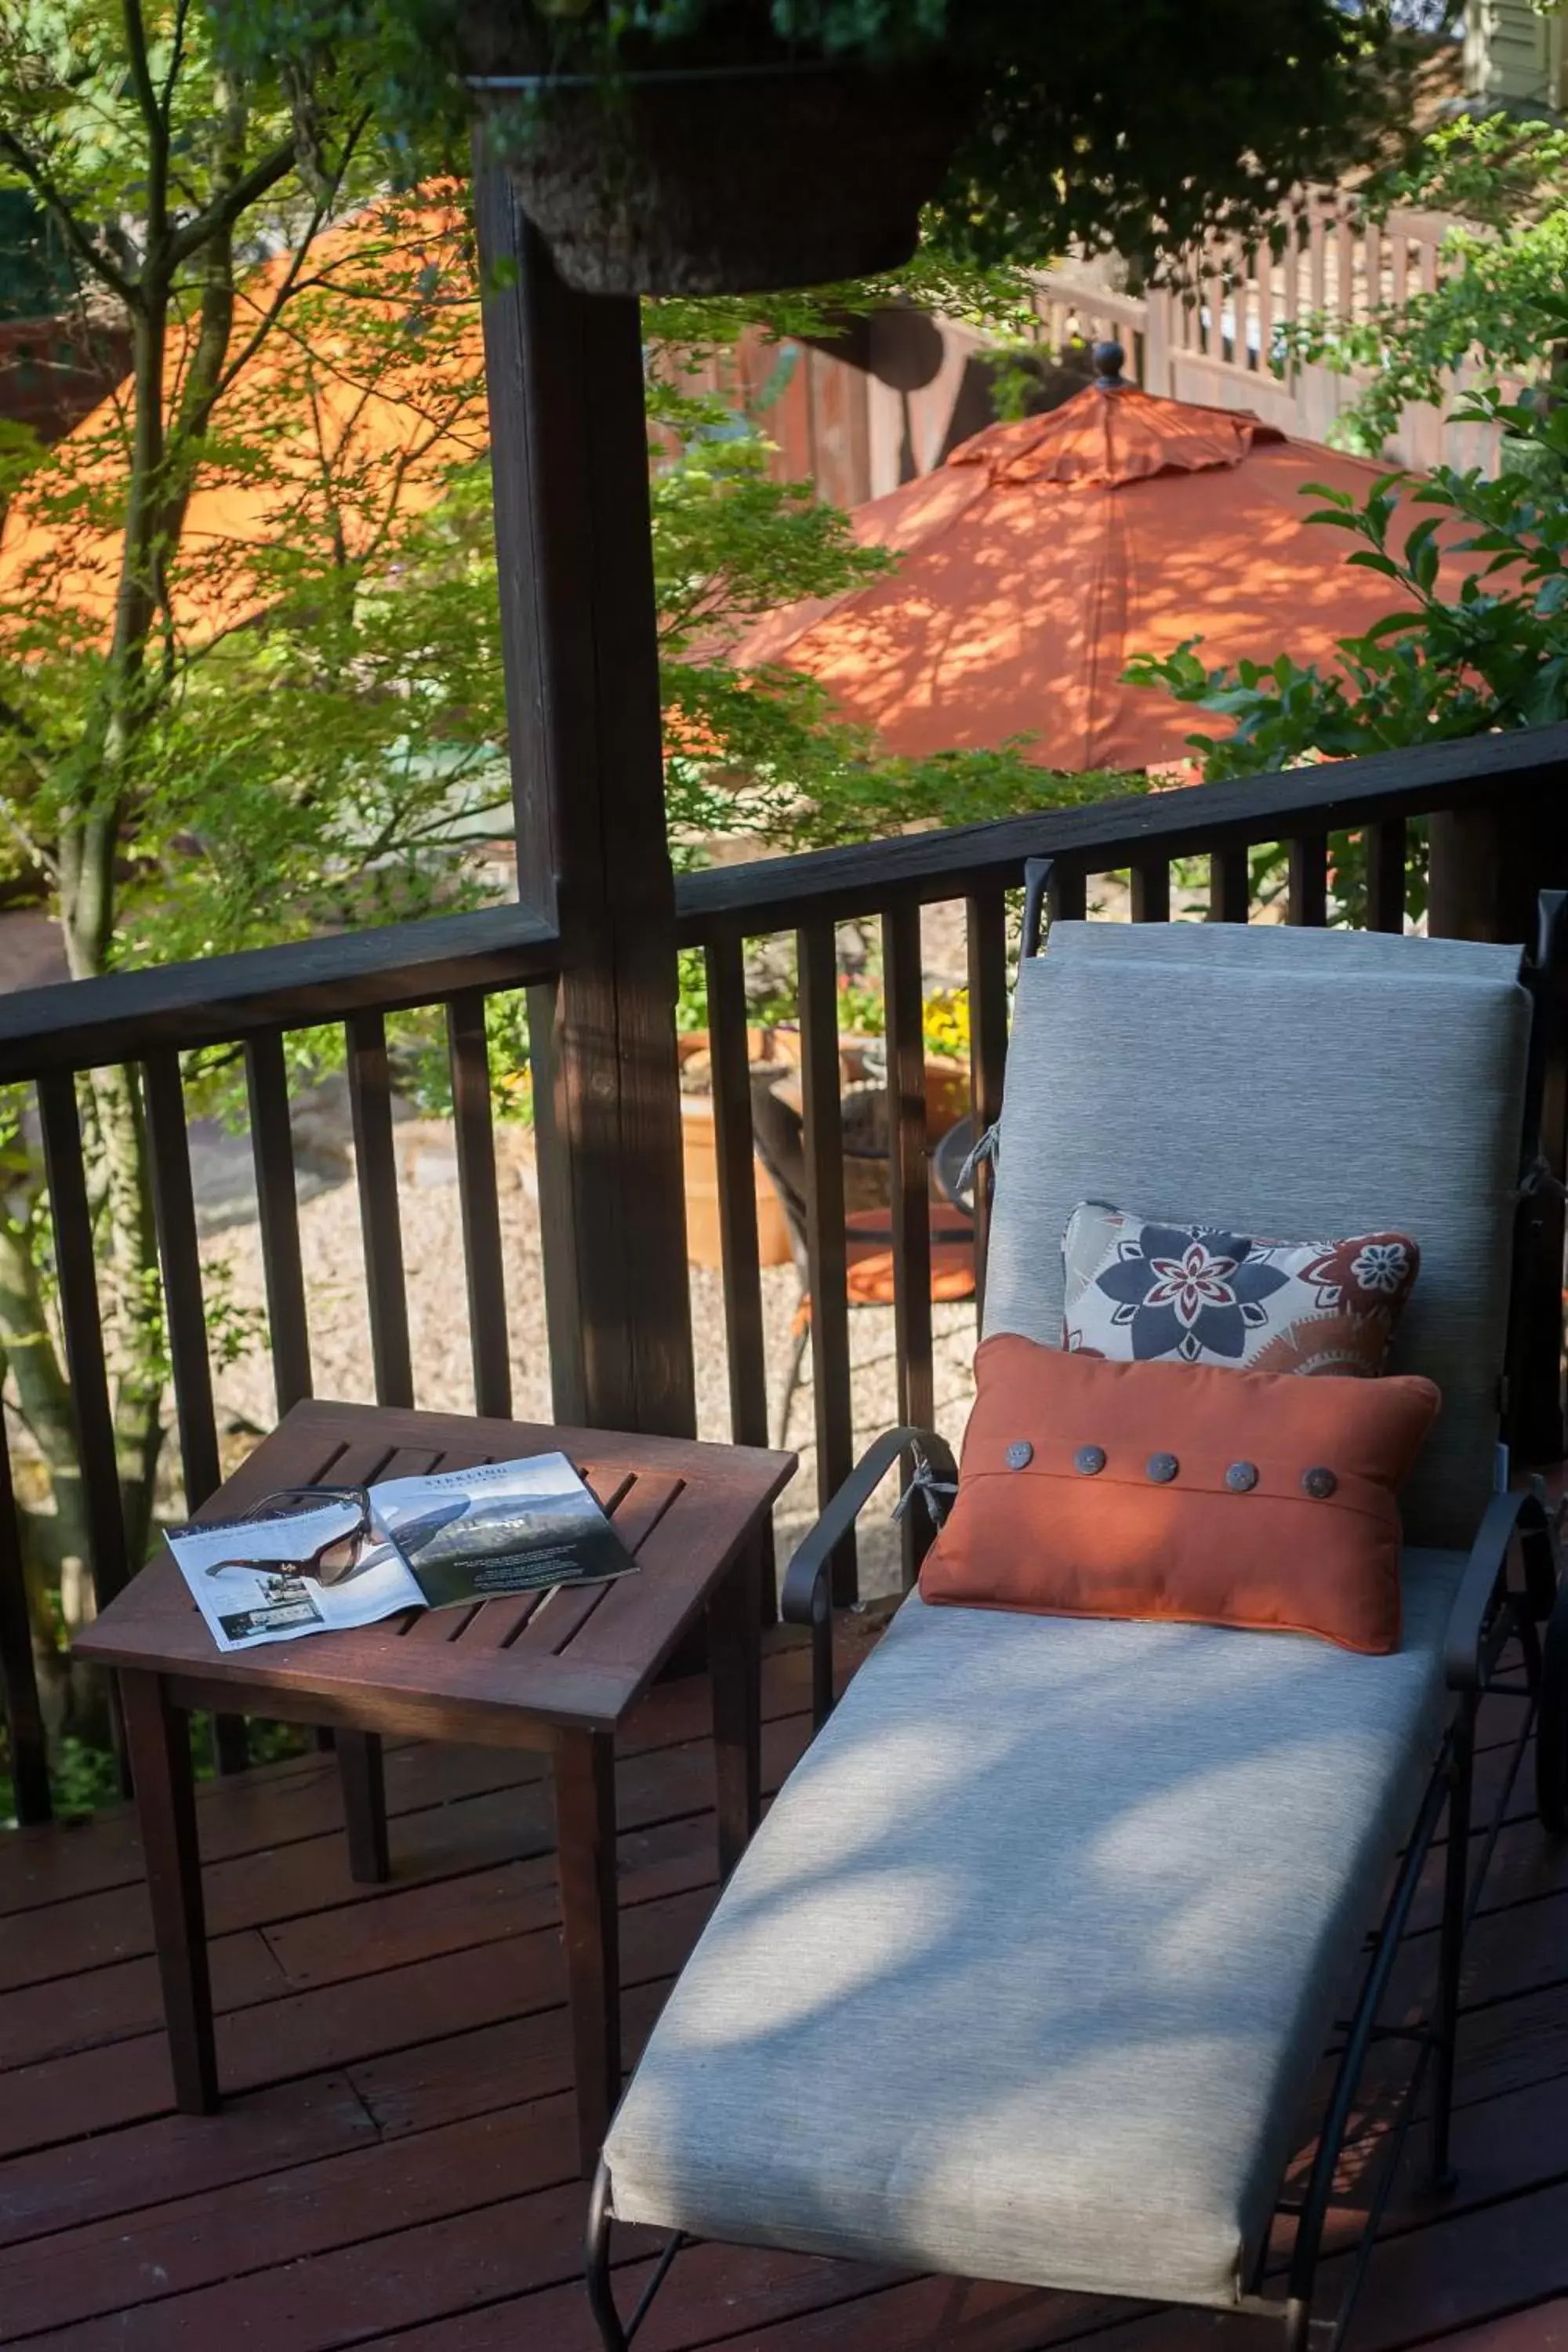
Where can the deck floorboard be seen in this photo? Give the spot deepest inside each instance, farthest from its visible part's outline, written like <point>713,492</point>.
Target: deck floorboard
<point>394,2166</point>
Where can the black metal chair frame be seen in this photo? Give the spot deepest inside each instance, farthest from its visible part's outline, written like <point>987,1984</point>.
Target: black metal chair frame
<point>1492,1608</point>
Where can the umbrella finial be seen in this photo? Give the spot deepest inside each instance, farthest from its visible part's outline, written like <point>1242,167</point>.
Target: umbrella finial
<point>1108,361</point>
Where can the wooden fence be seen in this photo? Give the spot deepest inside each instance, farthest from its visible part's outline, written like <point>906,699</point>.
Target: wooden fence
<point>862,416</point>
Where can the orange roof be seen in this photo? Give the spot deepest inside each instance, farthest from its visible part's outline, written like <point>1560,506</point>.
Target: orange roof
<point>1046,553</point>
<point>372,379</point>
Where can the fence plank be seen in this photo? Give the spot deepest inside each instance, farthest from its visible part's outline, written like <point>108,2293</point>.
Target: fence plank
<point>83,1327</point>
<point>479,1203</point>
<point>1344,267</point>
<point>987,952</point>
<point>1309,889</point>
<point>1385,853</point>
<point>278,1207</point>
<point>909,1188</point>
<point>375,1165</point>
<point>824,1140</point>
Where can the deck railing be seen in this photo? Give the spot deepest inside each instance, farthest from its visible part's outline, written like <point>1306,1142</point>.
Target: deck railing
<point>1483,790</point>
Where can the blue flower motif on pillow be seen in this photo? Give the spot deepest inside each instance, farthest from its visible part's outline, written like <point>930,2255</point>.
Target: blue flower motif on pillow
<point>1188,1291</point>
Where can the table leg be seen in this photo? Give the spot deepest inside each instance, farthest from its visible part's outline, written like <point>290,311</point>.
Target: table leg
<point>157,1739</point>
<point>585,1765</point>
<point>734,1664</point>
<point>363,1780</point>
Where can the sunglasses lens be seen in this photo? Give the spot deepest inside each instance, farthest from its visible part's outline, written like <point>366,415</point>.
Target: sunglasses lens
<point>276,1506</point>
<point>340,1557</point>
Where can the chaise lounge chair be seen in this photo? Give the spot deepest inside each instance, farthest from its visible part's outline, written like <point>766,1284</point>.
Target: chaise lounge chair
<point>1030,1970</point>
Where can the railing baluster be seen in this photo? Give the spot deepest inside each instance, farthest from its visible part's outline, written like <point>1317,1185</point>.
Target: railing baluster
<point>1308,887</point>
<point>174,1209</point>
<point>1151,890</point>
<point>909,1189</point>
<point>278,1209</point>
<point>987,925</point>
<point>83,1327</point>
<point>479,1203</point>
<point>1230,884</point>
<point>826,1264</point>
<point>745,1340</point>
<point>24,1715</point>
<point>1384,849</point>
<point>375,1165</point>
<point>175,1212</point>
<point>731,1069</point>
<point>1067,893</point>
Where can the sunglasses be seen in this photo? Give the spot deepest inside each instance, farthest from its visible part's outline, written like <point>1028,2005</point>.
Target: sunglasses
<point>330,1562</point>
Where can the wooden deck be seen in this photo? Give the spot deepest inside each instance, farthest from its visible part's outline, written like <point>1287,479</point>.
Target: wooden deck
<point>394,2166</point>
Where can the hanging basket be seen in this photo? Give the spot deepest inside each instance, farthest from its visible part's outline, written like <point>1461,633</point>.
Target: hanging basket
<point>724,179</point>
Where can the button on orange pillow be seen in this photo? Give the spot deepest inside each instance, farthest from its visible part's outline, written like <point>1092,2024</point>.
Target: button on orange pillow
<point>1210,1496</point>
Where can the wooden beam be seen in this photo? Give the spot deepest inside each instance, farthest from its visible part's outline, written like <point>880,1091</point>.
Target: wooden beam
<point>569,437</point>
<point>84,1024</point>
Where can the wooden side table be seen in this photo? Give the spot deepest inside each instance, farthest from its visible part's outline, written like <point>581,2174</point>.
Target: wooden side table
<point>556,1672</point>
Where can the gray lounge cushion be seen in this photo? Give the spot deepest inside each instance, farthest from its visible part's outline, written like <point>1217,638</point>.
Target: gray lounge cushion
<point>1027,1973</point>
<point>1281,1082</point>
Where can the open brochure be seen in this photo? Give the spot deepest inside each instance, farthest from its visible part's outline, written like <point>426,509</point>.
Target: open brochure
<point>360,1554</point>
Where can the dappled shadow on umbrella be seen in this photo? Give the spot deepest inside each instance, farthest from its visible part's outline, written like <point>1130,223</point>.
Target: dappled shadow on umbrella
<point>1043,555</point>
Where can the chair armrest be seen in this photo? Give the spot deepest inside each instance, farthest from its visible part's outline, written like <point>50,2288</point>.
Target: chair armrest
<point>1523,1513</point>
<point>807,1598</point>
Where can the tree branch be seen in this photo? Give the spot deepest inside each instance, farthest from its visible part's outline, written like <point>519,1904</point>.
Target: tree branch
<point>75,237</point>
<point>176,60</point>
<point>236,199</point>
<point>152,114</point>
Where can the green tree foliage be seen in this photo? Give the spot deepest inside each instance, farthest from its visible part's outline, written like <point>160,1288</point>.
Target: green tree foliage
<point>1490,652</point>
<point>1138,125</point>
<point>250,683</point>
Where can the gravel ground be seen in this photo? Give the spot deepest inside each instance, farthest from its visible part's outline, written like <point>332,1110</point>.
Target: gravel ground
<point>433,1250</point>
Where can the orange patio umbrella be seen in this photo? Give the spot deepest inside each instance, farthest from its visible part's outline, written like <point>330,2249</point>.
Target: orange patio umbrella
<point>1044,554</point>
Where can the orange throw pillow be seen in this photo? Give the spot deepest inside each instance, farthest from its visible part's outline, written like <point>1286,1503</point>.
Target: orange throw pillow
<point>1209,1497</point>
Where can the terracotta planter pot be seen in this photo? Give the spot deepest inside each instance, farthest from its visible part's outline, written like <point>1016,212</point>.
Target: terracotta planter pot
<point>723,178</point>
<point>702,1230</point>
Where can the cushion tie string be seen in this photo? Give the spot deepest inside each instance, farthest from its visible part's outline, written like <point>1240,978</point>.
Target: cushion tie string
<point>985,1146</point>
<point>1539,1176</point>
<point>924,1482</point>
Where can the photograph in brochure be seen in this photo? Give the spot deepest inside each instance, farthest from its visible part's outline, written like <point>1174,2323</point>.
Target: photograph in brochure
<point>320,1559</point>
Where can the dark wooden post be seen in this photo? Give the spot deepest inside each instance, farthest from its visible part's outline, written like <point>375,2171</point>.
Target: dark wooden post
<point>1491,859</point>
<point>570,454</point>
<point>1492,856</point>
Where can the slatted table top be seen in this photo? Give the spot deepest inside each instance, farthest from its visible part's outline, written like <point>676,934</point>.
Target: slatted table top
<point>579,1656</point>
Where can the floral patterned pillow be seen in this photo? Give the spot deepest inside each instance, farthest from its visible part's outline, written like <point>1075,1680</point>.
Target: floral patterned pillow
<point>1136,1289</point>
